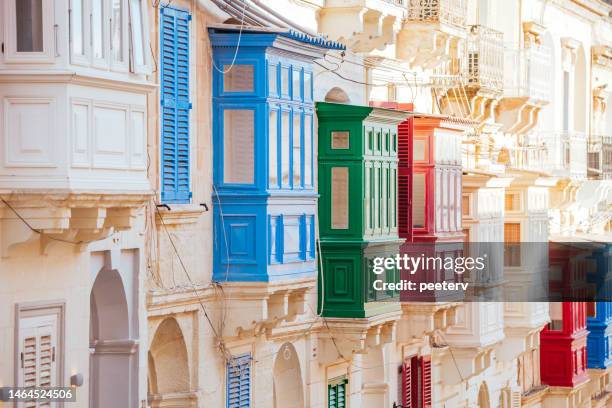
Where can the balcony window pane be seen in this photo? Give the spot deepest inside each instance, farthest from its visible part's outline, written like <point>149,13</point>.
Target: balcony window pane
<point>556,316</point>
<point>297,149</point>
<point>297,85</point>
<point>273,80</point>
<point>307,150</point>
<point>238,78</point>
<point>137,32</point>
<point>419,149</point>
<point>273,148</point>
<point>340,140</point>
<point>285,81</point>
<point>239,146</point>
<point>339,191</point>
<point>308,86</point>
<point>285,148</point>
<point>29,25</point>
<point>97,30</point>
<point>117,29</point>
<point>77,27</point>
<point>418,203</point>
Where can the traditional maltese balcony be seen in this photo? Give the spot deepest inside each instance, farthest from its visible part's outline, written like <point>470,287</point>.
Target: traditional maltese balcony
<point>362,25</point>
<point>599,157</point>
<point>479,76</point>
<point>531,152</point>
<point>566,154</point>
<point>526,88</point>
<point>431,31</point>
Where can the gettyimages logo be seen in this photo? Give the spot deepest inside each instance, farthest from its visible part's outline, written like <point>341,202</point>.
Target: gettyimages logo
<point>412,264</point>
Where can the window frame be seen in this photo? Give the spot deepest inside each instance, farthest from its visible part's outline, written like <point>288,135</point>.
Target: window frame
<point>145,67</point>
<point>49,35</point>
<point>41,309</point>
<point>75,58</point>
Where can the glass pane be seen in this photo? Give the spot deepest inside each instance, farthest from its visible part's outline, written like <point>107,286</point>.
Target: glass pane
<point>117,29</point>
<point>419,149</point>
<point>340,140</point>
<point>97,32</point>
<point>297,85</point>
<point>29,25</point>
<point>77,27</point>
<point>238,146</point>
<point>339,191</point>
<point>238,78</point>
<point>285,81</point>
<point>137,36</point>
<point>308,86</point>
<point>307,150</point>
<point>285,148</point>
<point>297,149</point>
<point>273,148</point>
<point>272,79</point>
<point>418,202</point>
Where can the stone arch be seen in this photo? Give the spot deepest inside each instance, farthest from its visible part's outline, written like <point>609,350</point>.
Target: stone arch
<point>288,385</point>
<point>168,360</point>
<point>580,91</point>
<point>483,396</point>
<point>338,95</point>
<point>114,357</point>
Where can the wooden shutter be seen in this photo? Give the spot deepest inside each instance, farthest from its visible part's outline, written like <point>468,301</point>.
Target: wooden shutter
<point>175,105</point>
<point>37,354</point>
<point>239,382</point>
<point>406,384</point>
<point>336,393</point>
<point>426,381</point>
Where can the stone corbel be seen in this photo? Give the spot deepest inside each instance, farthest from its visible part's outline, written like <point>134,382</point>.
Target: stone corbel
<point>532,33</point>
<point>570,47</point>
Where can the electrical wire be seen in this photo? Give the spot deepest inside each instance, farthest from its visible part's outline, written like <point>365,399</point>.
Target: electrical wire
<point>212,60</point>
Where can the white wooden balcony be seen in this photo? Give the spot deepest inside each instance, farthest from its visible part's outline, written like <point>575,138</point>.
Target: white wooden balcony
<point>431,32</point>
<point>362,25</point>
<point>566,154</point>
<point>484,59</point>
<point>599,157</point>
<point>526,87</point>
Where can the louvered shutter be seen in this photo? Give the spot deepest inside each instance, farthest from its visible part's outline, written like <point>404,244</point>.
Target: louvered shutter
<point>426,381</point>
<point>404,181</point>
<point>37,353</point>
<point>239,382</point>
<point>406,384</point>
<point>336,393</point>
<point>175,105</point>
<point>515,399</point>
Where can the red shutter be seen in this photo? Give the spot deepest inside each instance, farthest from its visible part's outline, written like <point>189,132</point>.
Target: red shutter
<point>406,384</point>
<point>404,188</point>
<point>426,380</point>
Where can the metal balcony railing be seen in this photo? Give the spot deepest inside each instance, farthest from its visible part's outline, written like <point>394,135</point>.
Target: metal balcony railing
<point>451,12</point>
<point>528,73</point>
<point>485,58</point>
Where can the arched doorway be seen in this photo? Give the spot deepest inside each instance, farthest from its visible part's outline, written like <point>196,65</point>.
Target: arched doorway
<point>113,354</point>
<point>483,396</point>
<point>169,378</point>
<point>337,95</point>
<point>288,388</point>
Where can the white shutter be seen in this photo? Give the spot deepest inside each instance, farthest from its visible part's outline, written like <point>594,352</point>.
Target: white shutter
<point>37,353</point>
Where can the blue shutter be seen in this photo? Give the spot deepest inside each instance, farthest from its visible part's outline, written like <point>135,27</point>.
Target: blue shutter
<point>175,105</point>
<point>239,382</point>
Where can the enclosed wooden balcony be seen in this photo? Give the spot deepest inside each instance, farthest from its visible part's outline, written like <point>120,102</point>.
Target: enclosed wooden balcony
<point>566,154</point>
<point>431,31</point>
<point>526,88</point>
<point>599,157</point>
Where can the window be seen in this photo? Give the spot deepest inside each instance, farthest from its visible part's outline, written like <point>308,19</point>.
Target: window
<point>273,80</point>
<point>297,149</point>
<point>175,106</point>
<point>29,30</point>
<point>285,148</point>
<point>566,100</point>
<point>339,201</point>
<point>77,15</point>
<point>273,136</point>
<point>297,83</point>
<point>512,246</point>
<point>39,352</point>
<point>336,392</point>
<point>139,36</point>
<point>238,78</point>
<point>556,316</point>
<point>418,202</point>
<point>308,86</point>
<point>339,140</point>
<point>239,146</point>
<point>117,16</point>
<point>419,148</point>
<point>415,382</point>
<point>512,202</point>
<point>285,81</point>
<point>97,30</point>
<point>239,382</point>
<point>308,146</point>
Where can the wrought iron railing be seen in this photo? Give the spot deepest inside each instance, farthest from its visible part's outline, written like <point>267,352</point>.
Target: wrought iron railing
<point>438,11</point>
<point>485,58</point>
<point>528,73</point>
